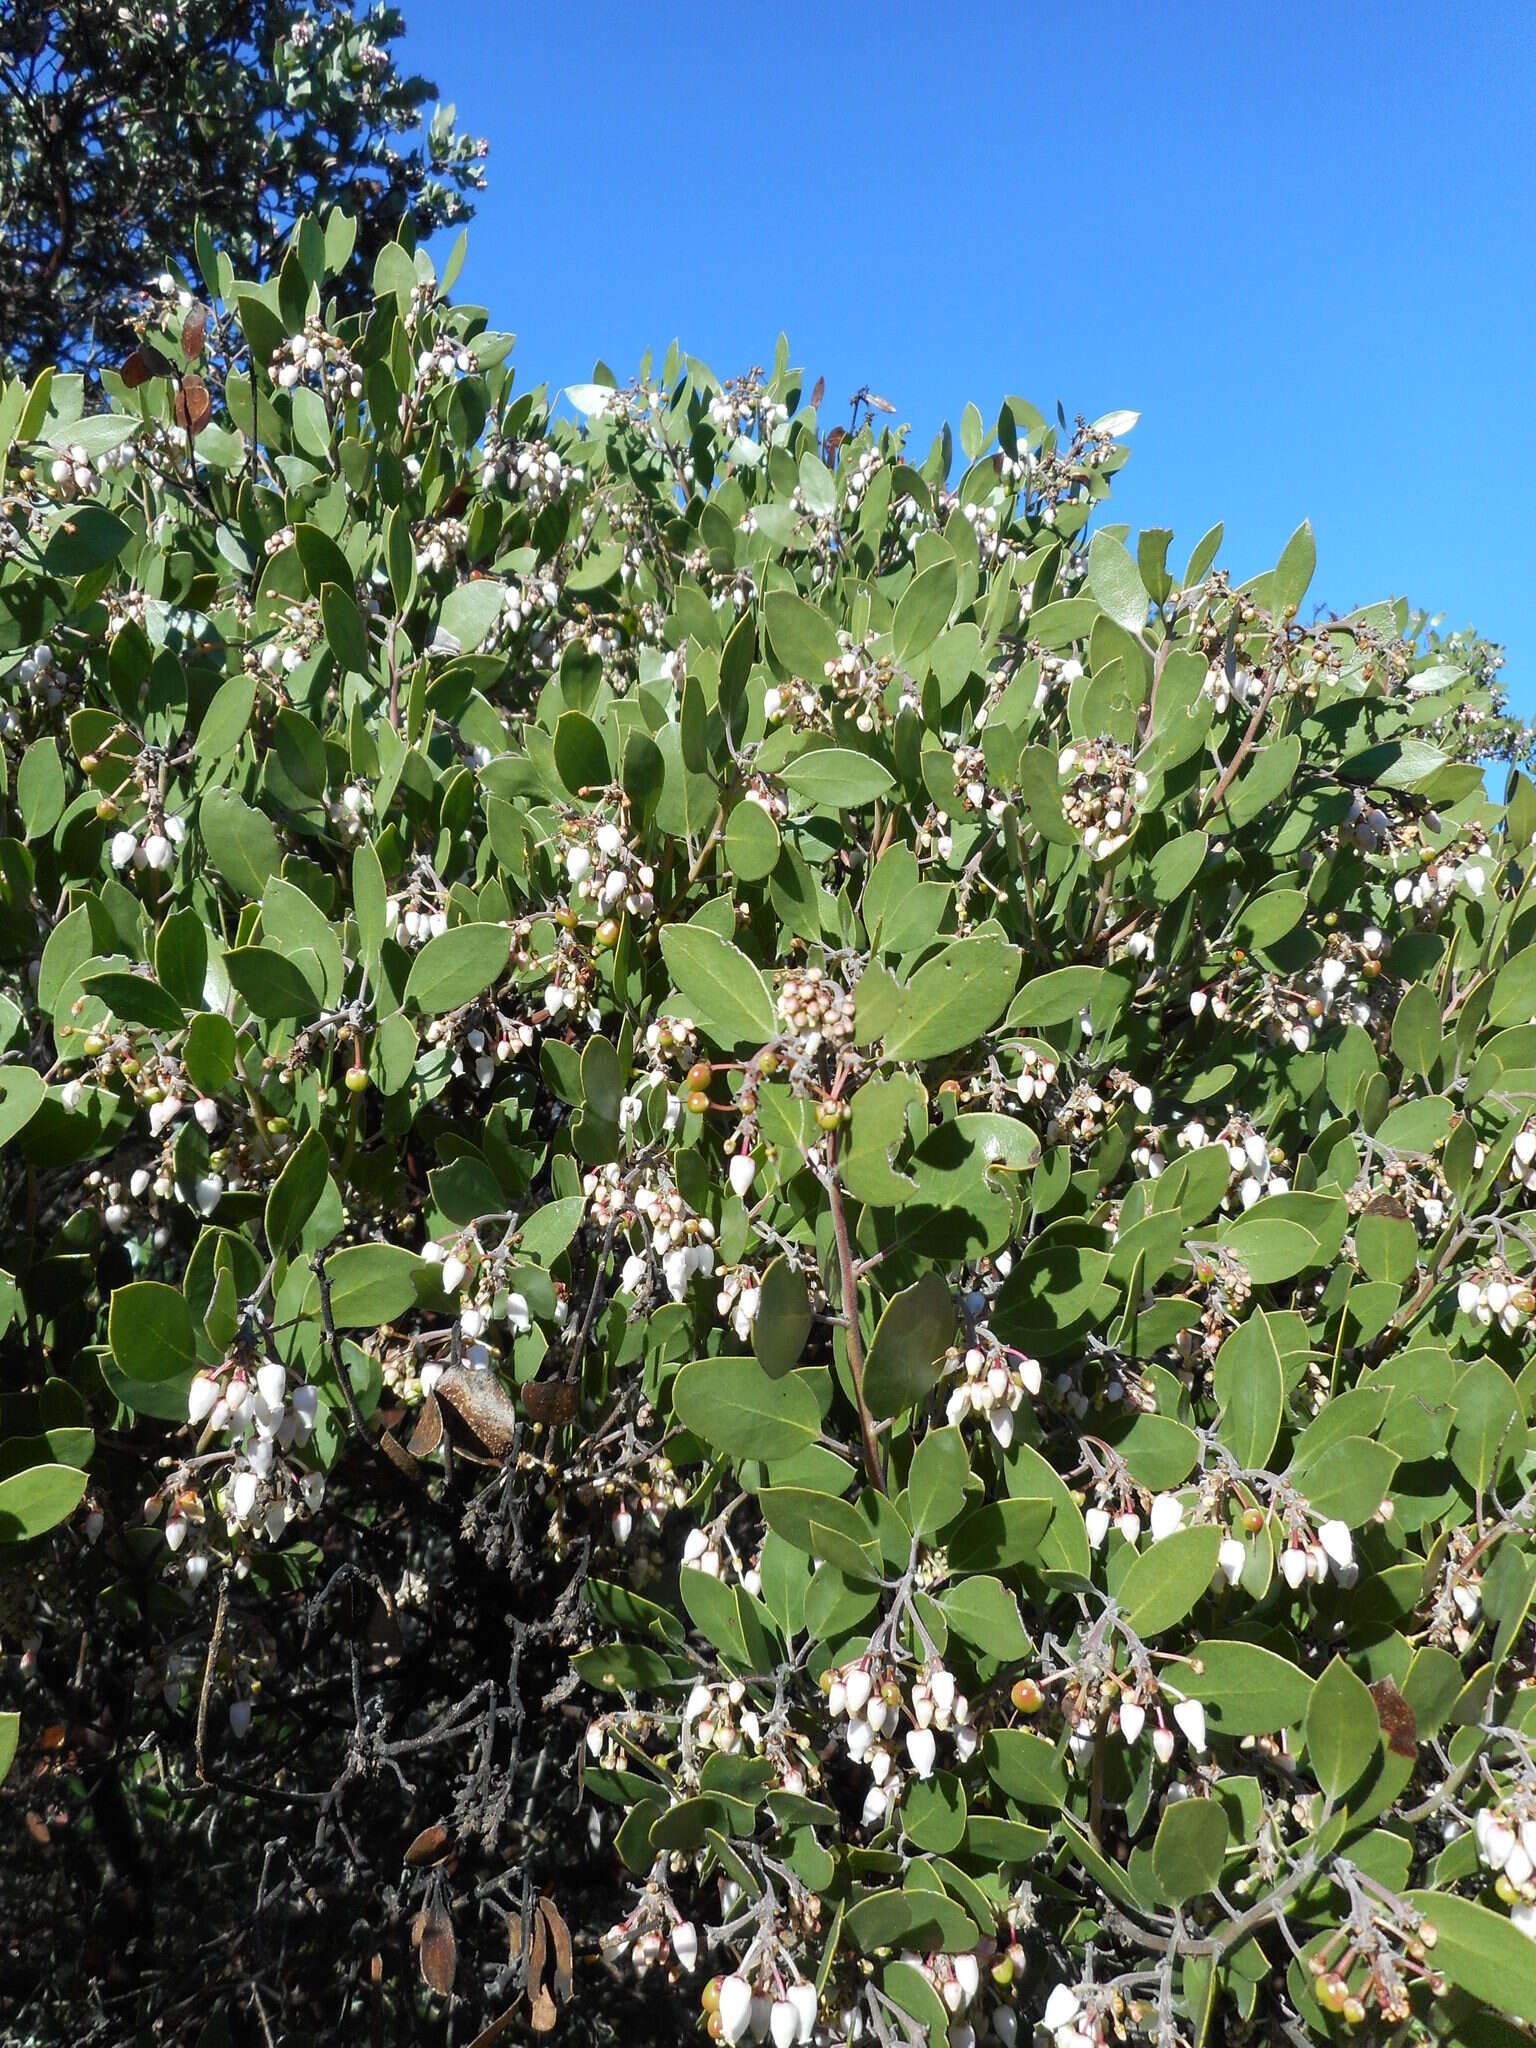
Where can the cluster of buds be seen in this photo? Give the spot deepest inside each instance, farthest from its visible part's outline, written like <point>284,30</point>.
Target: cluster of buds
<point>860,680</point>
<point>993,1383</point>
<point>1103,786</point>
<point>438,542</point>
<point>1497,1296</point>
<point>683,1242</point>
<point>971,782</point>
<point>479,1049</point>
<point>653,1936</point>
<point>531,470</point>
<point>439,360</point>
<point>1242,686</point>
<point>524,598</point>
<point>1084,2016</point>
<point>411,919</point>
<point>316,353</point>
<point>151,845</point>
<point>350,811</point>
<point>934,836</point>
<point>965,1985</point>
<point>741,1291</point>
<point>718,1715</point>
<point>133,1204</point>
<point>1436,882</point>
<point>39,674</point>
<point>300,632</point>
<point>862,475</point>
<point>1506,1845</point>
<point>1253,1164</point>
<point>815,1009</point>
<point>601,880</point>
<point>1037,1074</point>
<point>475,1282</point>
<point>79,474</point>
<point>1522,1159</point>
<point>866,1696</point>
<point>782,2013</point>
<point>1316,1555</point>
<point>265,1420</point>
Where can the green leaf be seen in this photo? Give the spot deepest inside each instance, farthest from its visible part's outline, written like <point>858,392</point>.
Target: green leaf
<point>1270,1248</point>
<point>810,1520</point>
<point>469,613</point>
<point>751,843</point>
<point>736,1407</point>
<point>985,1613</point>
<point>87,538</point>
<point>1249,1385</point>
<point>922,612</point>
<point>1189,1850</point>
<point>10,1724</point>
<point>1481,1952</point>
<point>803,639</point>
<point>239,841</point>
<point>1168,1579</point>
<point>1348,1481</point>
<point>37,1500</point>
<point>274,984</point>
<point>293,1195</point>
<point>783,1320</point>
<point>937,1481</point>
<point>836,778</point>
<point>136,999</point>
<point>371,1284</point>
<point>581,759</point>
<point>1116,584</point>
<point>1027,1767</point>
<point>1247,1690</point>
<point>455,967</point>
<point>1416,1029</point>
<point>151,1331</point>
<point>345,633</point>
<point>40,788</point>
<point>1491,1431</point>
<point>725,994</point>
<point>1293,572</point>
<point>906,1354</point>
<point>210,1052</point>
<point>1342,1728</point>
<point>953,999</point>
<point>22,1093</point>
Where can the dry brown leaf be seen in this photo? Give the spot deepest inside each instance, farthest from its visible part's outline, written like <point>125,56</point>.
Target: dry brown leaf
<point>542,2016</point>
<point>428,1433</point>
<point>482,1404</point>
<point>437,1951</point>
<point>194,408</point>
<point>193,330</point>
<point>560,1937</point>
<point>428,1845</point>
<point>1398,1721</point>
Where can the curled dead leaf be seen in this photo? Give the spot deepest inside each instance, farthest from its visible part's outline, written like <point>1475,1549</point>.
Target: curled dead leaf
<point>194,408</point>
<point>1399,1723</point>
<point>483,1405</point>
<point>193,330</point>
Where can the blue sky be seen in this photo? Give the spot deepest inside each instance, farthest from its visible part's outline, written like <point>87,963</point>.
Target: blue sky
<point>1301,240</point>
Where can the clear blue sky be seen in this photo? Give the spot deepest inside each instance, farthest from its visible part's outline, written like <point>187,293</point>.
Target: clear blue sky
<point>1299,239</point>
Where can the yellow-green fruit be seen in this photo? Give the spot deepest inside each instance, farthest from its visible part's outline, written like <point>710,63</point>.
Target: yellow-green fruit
<point>357,1079</point>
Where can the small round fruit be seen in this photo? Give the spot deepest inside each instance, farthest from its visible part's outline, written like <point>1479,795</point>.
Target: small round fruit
<point>357,1079</point>
<point>607,934</point>
<point>698,1102</point>
<point>709,1997</point>
<point>698,1074</point>
<point>828,1116</point>
<point>1027,1696</point>
<point>89,764</point>
<point>1332,1992</point>
<point>768,1063</point>
<point>1253,1520</point>
<point>1353,2010</point>
<point>565,917</point>
<point>106,810</point>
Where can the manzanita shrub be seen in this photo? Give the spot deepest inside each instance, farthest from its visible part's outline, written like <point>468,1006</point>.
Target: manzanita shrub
<point>768,1227</point>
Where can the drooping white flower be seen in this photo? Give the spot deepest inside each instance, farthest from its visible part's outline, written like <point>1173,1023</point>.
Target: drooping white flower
<point>921,1748</point>
<point>1167,1516</point>
<point>1190,1716</point>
